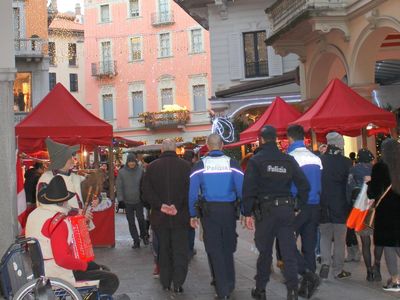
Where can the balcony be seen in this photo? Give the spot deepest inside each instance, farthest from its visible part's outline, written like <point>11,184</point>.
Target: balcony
<point>284,12</point>
<point>162,18</point>
<point>30,47</point>
<point>19,116</point>
<point>167,119</point>
<point>106,68</point>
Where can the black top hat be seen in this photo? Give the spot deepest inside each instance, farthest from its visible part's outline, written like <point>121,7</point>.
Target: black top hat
<point>55,192</point>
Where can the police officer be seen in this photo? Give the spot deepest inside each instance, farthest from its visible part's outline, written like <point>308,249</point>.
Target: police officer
<point>219,180</point>
<point>267,194</point>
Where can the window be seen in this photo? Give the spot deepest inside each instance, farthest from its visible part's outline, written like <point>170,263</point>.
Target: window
<point>104,13</point>
<point>134,8</point>
<point>196,40</point>
<point>108,108</point>
<point>137,103</point>
<point>163,10</point>
<point>165,45</point>
<point>199,98</point>
<point>136,48</point>
<point>73,82</point>
<point>52,80</point>
<point>166,97</point>
<point>72,54</point>
<point>106,64</point>
<point>255,54</point>
<point>52,53</point>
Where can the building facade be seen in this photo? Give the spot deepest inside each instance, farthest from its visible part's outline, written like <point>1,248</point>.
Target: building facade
<point>357,41</point>
<point>66,53</point>
<point>31,55</point>
<point>245,72</point>
<point>143,56</point>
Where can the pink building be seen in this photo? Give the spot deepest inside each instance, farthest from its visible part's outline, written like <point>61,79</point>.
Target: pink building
<point>140,56</point>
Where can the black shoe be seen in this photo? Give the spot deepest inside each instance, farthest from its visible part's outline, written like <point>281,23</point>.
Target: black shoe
<point>324,272</point>
<point>212,282</point>
<point>136,245</point>
<point>303,290</point>
<point>146,240</point>
<point>178,290</point>
<point>258,294</point>
<point>370,274</point>
<point>312,283</point>
<point>377,272</point>
<point>292,294</point>
<point>166,288</point>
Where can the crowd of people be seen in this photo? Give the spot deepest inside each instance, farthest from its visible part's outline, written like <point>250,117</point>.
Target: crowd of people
<point>283,196</point>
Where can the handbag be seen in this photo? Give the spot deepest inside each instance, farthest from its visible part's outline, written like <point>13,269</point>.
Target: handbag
<point>369,219</point>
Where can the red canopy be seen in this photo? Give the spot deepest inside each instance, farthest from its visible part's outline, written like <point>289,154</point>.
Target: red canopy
<point>60,116</point>
<point>341,109</point>
<point>279,114</point>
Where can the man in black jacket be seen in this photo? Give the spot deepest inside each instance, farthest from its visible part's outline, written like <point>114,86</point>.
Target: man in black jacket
<point>267,194</point>
<point>166,189</point>
<point>334,206</point>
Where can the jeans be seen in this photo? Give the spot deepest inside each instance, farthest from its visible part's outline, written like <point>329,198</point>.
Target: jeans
<point>131,211</point>
<point>337,233</point>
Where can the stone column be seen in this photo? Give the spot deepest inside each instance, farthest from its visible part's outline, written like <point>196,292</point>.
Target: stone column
<point>8,199</point>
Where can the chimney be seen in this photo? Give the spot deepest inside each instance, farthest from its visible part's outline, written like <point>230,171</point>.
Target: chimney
<point>78,10</point>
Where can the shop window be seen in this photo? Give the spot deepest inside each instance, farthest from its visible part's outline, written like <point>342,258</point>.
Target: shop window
<point>23,92</point>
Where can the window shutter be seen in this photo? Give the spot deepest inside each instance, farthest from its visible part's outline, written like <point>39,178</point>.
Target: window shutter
<point>235,56</point>
<point>274,63</point>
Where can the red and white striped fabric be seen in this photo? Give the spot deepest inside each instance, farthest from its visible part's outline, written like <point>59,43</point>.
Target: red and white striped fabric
<point>21,198</point>
<point>360,209</point>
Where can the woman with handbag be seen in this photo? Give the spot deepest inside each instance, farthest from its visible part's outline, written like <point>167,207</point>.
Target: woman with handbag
<point>385,188</point>
<point>358,174</point>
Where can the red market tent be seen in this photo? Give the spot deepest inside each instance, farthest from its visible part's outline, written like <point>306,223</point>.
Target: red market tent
<point>341,109</point>
<point>60,116</point>
<point>279,114</point>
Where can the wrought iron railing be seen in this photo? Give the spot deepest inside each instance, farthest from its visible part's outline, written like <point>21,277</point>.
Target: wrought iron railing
<point>256,69</point>
<point>167,119</point>
<point>104,68</point>
<point>30,47</point>
<point>162,18</point>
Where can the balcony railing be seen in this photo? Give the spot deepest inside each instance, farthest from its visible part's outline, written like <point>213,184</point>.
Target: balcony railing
<point>168,119</point>
<point>256,69</point>
<point>19,116</point>
<point>283,12</point>
<point>162,18</point>
<point>30,47</point>
<point>106,68</point>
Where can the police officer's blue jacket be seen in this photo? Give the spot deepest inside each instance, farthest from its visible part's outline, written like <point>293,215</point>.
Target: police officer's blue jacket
<point>271,173</point>
<point>218,178</point>
<point>311,166</point>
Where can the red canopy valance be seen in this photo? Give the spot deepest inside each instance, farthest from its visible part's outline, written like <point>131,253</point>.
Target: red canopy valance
<point>279,114</point>
<point>341,109</point>
<point>60,116</point>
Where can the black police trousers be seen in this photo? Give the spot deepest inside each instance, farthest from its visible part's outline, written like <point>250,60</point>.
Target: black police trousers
<point>277,222</point>
<point>173,255</point>
<point>220,240</point>
<point>306,226</point>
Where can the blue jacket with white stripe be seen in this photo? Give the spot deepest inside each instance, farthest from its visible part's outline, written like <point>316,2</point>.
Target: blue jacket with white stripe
<point>312,168</point>
<point>217,177</point>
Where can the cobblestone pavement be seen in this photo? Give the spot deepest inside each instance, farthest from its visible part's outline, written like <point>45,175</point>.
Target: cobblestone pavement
<point>134,268</point>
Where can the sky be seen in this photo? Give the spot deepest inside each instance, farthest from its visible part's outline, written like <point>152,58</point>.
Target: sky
<point>68,5</point>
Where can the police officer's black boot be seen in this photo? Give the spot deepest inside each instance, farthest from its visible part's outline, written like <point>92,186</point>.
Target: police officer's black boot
<point>292,294</point>
<point>258,294</point>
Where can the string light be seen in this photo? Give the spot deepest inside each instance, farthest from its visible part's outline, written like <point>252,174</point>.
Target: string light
<point>224,128</point>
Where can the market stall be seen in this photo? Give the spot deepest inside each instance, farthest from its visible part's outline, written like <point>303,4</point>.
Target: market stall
<point>341,109</point>
<point>279,114</point>
<point>60,116</point>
